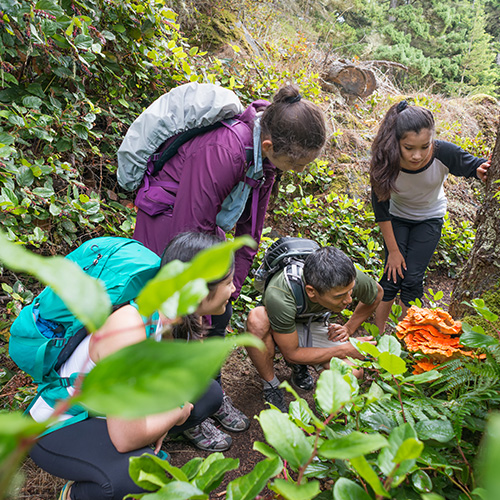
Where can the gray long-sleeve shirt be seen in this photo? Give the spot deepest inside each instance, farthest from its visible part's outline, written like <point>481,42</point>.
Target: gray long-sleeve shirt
<point>419,195</point>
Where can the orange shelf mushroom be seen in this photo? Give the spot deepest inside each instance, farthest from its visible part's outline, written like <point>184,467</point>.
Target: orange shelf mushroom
<point>431,332</point>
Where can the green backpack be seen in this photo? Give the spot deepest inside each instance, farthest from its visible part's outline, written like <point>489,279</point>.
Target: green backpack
<point>45,333</point>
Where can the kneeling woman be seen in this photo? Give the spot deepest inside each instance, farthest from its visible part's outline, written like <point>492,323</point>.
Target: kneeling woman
<point>94,453</point>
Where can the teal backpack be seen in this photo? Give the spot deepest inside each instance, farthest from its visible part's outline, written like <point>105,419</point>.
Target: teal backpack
<point>45,333</point>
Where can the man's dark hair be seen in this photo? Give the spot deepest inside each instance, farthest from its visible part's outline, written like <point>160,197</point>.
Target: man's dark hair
<point>328,268</point>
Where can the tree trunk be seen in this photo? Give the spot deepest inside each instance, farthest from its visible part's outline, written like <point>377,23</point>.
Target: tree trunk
<point>353,79</point>
<point>481,273</point>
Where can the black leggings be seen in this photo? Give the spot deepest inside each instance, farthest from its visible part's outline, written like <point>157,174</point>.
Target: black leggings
<point>219,325</point>
<point>83,452</point>
<point>417,242</point>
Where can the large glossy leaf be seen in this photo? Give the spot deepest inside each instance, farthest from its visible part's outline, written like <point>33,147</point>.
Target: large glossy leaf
<point>364,469</point>
<point>208,265</point>
<point>389,344</point>
<point>392,363</point>
<point>377,420</point>
<point>439,430</point>
<point>249,486</point>
<point>15,427</point>
<point>421,481</point>
<point>208,479</point>
<point>365,347</point>
<point>477,340</point>
<point>332,391</point>
<point>490,458</point>
<point>148,472</point>
<point>152,377</point>
<point>292,491</point>
<point>345,489</point>
<point>422,378</point>
<point>410,448</point>
<point>177,490</point>
<point>288,440</point>
<point>84,296</point>
<point>387,455</point>
<point>353,445</point>
<point>192,467</point>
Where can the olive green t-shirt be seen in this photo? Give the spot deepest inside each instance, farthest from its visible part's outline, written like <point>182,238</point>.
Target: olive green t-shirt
<point>282,309</point>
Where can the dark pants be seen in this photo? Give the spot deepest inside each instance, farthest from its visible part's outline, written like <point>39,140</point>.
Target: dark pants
<point>417,242</point>
<point>83,452</point>
<point>219,325</point>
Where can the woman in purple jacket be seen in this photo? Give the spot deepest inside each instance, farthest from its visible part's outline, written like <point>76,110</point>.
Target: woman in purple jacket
<point>188,193</point>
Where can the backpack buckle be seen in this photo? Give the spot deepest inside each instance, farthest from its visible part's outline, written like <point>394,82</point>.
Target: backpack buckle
<point>58,342</point>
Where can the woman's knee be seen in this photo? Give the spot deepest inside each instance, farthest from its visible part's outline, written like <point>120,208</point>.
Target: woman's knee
<point>412,288</point>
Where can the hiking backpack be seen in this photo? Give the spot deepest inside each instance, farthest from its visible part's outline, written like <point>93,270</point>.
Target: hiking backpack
<point>287,254</point>
<point>46,333</point>
<point>185,112</point>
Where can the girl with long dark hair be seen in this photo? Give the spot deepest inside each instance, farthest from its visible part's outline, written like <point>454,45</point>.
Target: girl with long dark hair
<point>407,174</point>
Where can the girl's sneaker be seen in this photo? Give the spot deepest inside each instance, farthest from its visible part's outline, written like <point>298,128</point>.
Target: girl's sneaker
<point>230,417</point>
<point>206,436</point>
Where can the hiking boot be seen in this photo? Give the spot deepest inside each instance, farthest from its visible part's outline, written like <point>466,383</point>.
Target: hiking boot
<point>276,397</point>
<point>301,377</point>
<point>230,417</point>
<point>206,436</point>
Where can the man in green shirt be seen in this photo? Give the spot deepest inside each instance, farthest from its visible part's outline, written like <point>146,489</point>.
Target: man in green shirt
<point>330,282</point>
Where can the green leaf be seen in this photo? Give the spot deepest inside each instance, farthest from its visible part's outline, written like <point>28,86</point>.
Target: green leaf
<point>374,394</point>
<point>192,467</point>
<point>353,445</point>
<point>421,481</point>
<point>477,340</point>
<point>345,489</point>
<point>214,473</point>
<point>389,344</point>
<point>422,378</point>
<point>433,496</point>
<point>292,491</point>
<point>288,440</point>
<point>387,454</point>
<point>6,139</point>
<point>392,363</point>
<point>377,420</point>
<point>15,429</point>
<point>152,377</point>
<point>25,176</point>
<point>148,471</point>
<point>84,296</point>
<point>364,469</point>
<point>249,486</point>
<point>177,490</point>
<point>439,430</point>
<point>410,448</point>
<point>43,192</point>
<point>266,450</point>
<point>186,300</point>
<point>365,347</point>
<point>209,265</point>
<point>30,101</point>
<point>332,391</point>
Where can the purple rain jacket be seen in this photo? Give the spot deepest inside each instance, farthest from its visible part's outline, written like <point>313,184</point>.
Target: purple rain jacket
<point>195,182</point>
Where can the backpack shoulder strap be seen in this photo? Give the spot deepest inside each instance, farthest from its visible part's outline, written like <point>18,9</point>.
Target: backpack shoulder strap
<point>293,276</point>
<point>159,159</point>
